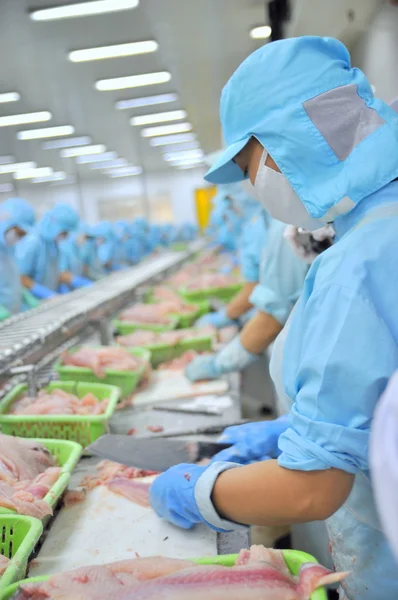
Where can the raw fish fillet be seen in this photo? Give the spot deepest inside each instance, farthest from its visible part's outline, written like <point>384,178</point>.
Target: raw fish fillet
<point>179,364</point>
<point>105,582</point>
<point>27,473</point>
<point>211,280</point>
<point>132,489</point>
<point>146,313</point>
<point>101,359</point>
<point>171,338</point>
<point>4,562</point>
<point>58,402</point>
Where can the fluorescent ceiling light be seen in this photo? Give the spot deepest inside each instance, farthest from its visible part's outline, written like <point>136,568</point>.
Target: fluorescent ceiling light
<point>163,117</point>
<point>182,146</point>
<point>69,143</point>
<point>188,166</point>
<point>82,9</point>
<point>45,132</point>
<point>32,173</point>
<point>35,117</point>
<point>6,187</point>
<point>172,139</point>
<point>263,32</point>
<point>90,158</point>
<point>6,160</point>
<point>146,101</point>
<point>187,161</point>
<point>111,164</point>
<point>166,130</point>
<point>57,176</point>
<point>125,172</point>
<point>132,81</point>
<point>185,154</point>
<point>114,51</point>
<point>9,97</point>
<point>84,150</point>
<point>11,168</point>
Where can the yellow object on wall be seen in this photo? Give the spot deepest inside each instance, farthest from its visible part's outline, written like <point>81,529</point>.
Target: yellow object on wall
<point>204,205</point>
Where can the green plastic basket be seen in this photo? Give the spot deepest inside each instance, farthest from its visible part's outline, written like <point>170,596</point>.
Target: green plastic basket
<point>164,352</point>
<point>223,293</point>
<point>204,307</point>
<point>187,320</point>
<point>18,538</point>
<point>83,429</point>
<point>126,381</point>
<point>67,454</point>
<point>294,559</point>
<point>126,327</point>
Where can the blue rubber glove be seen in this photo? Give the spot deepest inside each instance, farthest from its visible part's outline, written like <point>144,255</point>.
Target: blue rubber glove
<point>182,495</point>
<point>234,357</point>
<point>41,291</point>
<point>252,441</point>
<point>78,281</point>
<point>63,289</point>
<point>217,319</point>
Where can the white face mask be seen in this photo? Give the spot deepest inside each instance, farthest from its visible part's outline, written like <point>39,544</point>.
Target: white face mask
<point>278,197</point>
<point>11,237</point>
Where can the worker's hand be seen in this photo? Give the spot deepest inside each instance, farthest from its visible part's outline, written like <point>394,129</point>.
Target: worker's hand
<point>183,493</point>
<point>217,319</point>
<point>41,291</point>
<point>202,368</point>
<point>78,281</point>
<point>252,441</point>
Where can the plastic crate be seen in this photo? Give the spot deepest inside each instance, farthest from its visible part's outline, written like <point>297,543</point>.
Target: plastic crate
<point>187,319</point>
<point>223,293</point>
<point>67,454</point>
<point>126,327</point>
<point>294,559</point>
<point>164,352</point>
<point>126,381</point>
<point>18,537</point>
<point>83,429</point>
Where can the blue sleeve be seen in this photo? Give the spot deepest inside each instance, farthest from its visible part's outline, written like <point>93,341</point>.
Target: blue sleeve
<point>338,357</point>
<point>281,280</point>
<point>250,248</point>
<point>26,256</point>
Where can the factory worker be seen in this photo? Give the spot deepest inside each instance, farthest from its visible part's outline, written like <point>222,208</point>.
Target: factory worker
<point>16,219</point>
<point>106,242</point>
<point>132,249</point>
<point>70,262</point>
<point>319,148</point>
<point>37,254</point>
<point>88,253</point>
<point>282,275</point>
<point>252,245</point>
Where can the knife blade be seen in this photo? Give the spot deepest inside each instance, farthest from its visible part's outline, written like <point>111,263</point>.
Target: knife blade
<point>205,430</point>
<point>154,453</point>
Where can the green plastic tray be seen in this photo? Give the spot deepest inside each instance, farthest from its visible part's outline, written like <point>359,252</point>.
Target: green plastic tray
<point>126,381</point>
<point>83,429</point>
<point>164,352</point>
<point>126,327</point>
<point>18,537</point>
<point>223,293</point>
<point>294,559</point>
<point>67,454</point>
<point>187,320</point>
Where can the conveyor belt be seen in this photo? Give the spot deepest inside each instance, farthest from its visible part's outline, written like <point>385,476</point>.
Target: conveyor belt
<point>29,336</point>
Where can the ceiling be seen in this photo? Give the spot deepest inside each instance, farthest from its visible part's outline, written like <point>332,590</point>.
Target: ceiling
<point>201,42</point>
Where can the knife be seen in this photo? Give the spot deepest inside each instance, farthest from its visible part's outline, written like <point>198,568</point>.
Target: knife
<point>206,430</point>
<point>152,453</point>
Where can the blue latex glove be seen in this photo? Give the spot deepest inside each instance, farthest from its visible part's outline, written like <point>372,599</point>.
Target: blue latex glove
<point>41,291</point>
<point>217,319</point>
<point>78,281</point>
<point>175,495</point>
<point>63,289</point>
<point>252,441</point>
<point>234,357</point>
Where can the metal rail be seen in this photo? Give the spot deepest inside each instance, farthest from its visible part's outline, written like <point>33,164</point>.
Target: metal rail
<point>28,337</point>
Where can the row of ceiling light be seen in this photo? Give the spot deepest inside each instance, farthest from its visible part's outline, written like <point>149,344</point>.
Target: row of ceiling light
<point>181,149</point>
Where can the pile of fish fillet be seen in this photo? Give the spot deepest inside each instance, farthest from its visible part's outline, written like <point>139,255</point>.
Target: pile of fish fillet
<point>159,313</point>
<point>210,280</point>
<point>27,472</point>
<point>144,338</point>
<point>259,574</point>
<point>99,360</point>
<point>58,402</point>
<point>179,363</point>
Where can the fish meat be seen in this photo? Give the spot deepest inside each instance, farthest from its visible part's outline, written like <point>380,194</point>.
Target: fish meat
<point>99,360</point>
<point>59,402</point>
<point>101,582</point>
<point>260,574</point>
<point>171,338</point>
<point>179,364</point>
<point>211,280</point>
<point>155,428</point>
<point>133,489</point>
<point>27,473</point>
<point>4,562</point>
<point>146,313</point>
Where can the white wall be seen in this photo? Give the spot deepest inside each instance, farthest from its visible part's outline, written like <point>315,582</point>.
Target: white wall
<point>376,53</point>
<point>171,196</point>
